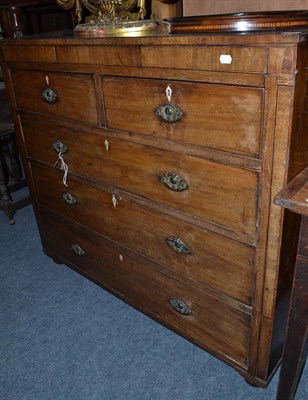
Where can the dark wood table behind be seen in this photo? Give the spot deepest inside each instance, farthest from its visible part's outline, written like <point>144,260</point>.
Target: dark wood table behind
<point>295,198</point>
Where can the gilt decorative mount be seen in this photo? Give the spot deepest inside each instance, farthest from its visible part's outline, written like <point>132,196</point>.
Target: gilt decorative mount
<point>110,17</point>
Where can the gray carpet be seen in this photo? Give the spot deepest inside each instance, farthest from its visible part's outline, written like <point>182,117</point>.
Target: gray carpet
<point>64,338</point>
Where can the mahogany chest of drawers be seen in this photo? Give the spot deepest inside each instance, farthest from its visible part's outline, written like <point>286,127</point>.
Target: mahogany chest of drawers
<point>153,163</point>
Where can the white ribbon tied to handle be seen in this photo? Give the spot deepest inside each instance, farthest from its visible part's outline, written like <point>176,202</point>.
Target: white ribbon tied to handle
<point>63,167</point>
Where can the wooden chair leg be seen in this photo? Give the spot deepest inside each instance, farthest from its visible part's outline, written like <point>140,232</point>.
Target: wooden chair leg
<point>15,167</point>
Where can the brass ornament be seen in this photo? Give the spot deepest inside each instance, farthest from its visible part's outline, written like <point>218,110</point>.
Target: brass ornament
<point>49,95</point>
<point>59,147</point>
<point>69,198</point>
<point>169,113</point>
<point>174,182</point>
<point>77,249</point>
<point>180,306</point>
<point>110,17</point>
<point>178,245</point>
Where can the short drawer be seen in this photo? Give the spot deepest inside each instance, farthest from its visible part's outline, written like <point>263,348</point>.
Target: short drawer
<point>99,55</point>
<point>208,58</point>
<point>204,320</point>
<point>30,53</point>
<point>227,118</point>
<point>202,188</point>
<point>75,94</point>
<point>206,257</point>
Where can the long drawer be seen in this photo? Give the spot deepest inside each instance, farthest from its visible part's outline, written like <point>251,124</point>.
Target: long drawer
<point>64,95</point>
<point>198,317</point>
<point>208,58</point>
<point>222,194</point>
<point>206,257</point>
<point>222,117</point>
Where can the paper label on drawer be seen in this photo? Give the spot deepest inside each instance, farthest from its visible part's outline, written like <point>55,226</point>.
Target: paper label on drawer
<point>225,59</point>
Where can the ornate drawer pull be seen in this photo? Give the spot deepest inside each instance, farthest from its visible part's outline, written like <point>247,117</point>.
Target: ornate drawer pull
<point>59,147</point>
<point>49,95</point>
<point>169,113</point>
<point>178,245</point>
<point>69,198</point>
<point>78,250</point>
<point>174,182</point>
<point>180,307</point>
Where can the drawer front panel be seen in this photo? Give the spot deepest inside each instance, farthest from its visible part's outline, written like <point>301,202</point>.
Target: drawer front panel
<point>30,53</point>
<point>240,59</point>
<point>221,117</point>
<point>213,260</point>
<point>212,187</point>
<point>211,323</point>
<point>99,55</point>
<point>75,94</point>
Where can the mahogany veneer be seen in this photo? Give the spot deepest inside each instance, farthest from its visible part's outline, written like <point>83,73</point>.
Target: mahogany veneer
<point>212,260</point>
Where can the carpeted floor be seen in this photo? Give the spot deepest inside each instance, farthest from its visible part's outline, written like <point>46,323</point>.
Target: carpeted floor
<point>64,338</point>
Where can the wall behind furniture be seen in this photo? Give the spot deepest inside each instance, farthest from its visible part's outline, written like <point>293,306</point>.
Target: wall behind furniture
<point>203,7</point>
<point>167,10</point>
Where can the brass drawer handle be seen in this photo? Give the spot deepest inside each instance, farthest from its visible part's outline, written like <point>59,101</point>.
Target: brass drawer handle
<point>179,306</point>
<point>169,113</point>
<point>69,198</point>
<point>59,147</point>
<point>178,246</point>
<point>78,250</point>
<point>49,95</point>
<point>174,182</point>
